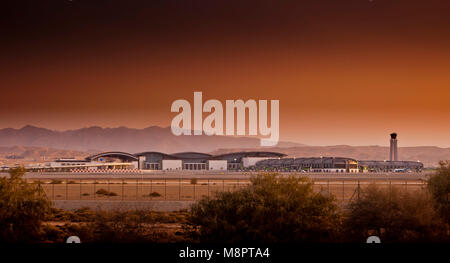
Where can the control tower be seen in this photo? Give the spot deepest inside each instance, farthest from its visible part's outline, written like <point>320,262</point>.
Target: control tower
<point>393,154</point>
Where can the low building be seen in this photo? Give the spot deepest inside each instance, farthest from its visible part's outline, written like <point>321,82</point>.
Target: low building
<point>201,161</point>
<point>241,160</point>
<point>172,165</point>
<point>390,166</point>
<point>311,164</point>
<point>235,161</point>
<point>217,165</point>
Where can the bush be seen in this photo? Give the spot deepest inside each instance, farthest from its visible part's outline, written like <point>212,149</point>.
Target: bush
<point>105,192</point>
<point>394,215</point>
<point>80,215</point>
<point>102,191</point>
<point>155,194</point>
<point>271,209</point>
<point>439,186</point>
<point>23,207</point>
<point>115,226</point>
<point>86,214</point>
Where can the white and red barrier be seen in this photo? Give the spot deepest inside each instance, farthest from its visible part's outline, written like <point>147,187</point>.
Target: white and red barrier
<point>95,171</point>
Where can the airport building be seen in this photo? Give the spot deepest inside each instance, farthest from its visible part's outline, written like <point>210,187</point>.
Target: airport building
<point>241,160</point>
<point>312,164</point>
<point>393,165</point>
<point>235,161</point>
<point>154,161</point>
<point>343,164</point>
<point>390,166</point>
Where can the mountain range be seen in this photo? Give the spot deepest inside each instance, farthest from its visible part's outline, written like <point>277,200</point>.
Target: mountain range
<point>125,139</point>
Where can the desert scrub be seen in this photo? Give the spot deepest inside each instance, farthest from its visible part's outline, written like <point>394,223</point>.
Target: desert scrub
<point>155,194</point>
<point>105,192</point>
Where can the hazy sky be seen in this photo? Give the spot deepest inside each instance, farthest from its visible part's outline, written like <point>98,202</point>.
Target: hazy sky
<point>345,72</point>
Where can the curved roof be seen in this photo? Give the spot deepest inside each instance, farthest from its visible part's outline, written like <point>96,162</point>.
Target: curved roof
<point>250,154</point>
<point>120,155</point>
<point>183,155</point>
<point>304,160</point>
<point>191,155</point>
<point>165,155</point>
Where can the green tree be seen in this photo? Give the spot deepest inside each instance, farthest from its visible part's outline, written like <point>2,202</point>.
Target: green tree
<point>439,186</point>
<point>23,206</point>
<point>271,209</point>
<point>394,215</point>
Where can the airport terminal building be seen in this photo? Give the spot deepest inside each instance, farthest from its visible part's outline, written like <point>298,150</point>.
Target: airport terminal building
<point>234,161</point>
<point>154,161</point>
<point>312,164</point>
<point>388,166</point>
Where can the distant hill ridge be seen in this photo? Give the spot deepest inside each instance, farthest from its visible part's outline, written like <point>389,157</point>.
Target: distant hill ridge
<point>96,138</point>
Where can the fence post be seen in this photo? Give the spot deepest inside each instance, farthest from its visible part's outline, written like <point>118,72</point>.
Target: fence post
<point>39,187</point>
<point>81,194</point>
<point>165,189</point>
<point>406,185</point>
<point>208,188</point>
<point>53,190</point>
<point>390,190</point>
<point>358,189</point>
<point>223,185</point>
<point>343,191</point>
<point>95,185</point>
<point>123,186</point>
<point>67,190</point>
<point>137,185</point>
<point>194,192</point>
<point>179,189</point>
<point>107,183</point>
<point>328,186</point>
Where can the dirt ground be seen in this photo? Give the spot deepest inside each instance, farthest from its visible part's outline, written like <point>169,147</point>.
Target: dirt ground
<point>190,189</point>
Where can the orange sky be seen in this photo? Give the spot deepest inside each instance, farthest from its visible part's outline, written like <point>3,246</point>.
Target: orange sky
<point>342,77</point>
